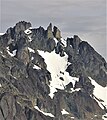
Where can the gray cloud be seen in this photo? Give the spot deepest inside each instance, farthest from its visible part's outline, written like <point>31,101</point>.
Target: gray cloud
<point>87,18</point>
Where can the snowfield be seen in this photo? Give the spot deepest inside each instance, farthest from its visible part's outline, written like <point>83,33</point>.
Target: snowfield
<point>100,92</point>
<point>57,65</point>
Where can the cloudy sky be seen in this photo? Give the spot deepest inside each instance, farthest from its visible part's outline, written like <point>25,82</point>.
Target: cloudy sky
<point>86,18</point>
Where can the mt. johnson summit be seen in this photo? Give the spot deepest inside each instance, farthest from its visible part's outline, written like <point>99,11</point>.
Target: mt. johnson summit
<point>45,77</point>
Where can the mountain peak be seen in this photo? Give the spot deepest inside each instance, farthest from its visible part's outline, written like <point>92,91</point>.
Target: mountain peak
<point>49,31</point>
<point>46,77</point>
<point>49,27</point>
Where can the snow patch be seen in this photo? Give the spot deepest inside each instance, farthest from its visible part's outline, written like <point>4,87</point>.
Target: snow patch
<point>95,115</point>
<point>68,63</point>
<point>47,114</point>
<point>99,103</point>
<point>32,58</point>
<point>4,56</point>
<point>31,50</point>
<point>56,41</point>
<point>28,31</point>
<point>1,52</point>
<point>72,117</point>
<point>30,39</point>
<point>100,92</point>
<point>64,112</point>
<point>36,67</point>
<point>13,52</point>
<point>57,65</point>
<point>13,76</point>
<point>0,85</point>
<point>2,34</point>
<point>77,89</point>
<point>63,41</point>
<point>104,116</point>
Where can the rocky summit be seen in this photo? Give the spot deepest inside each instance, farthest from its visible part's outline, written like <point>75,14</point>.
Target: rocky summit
<point>46,77</point>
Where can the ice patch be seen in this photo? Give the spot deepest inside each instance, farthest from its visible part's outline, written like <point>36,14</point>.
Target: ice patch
<point>57,65</point>
<point>47,114</point>
<point>64,112</point>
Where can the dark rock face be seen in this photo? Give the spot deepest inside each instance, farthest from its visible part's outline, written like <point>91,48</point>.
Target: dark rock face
<point>42,39</point>
<point>59,49</point>
<point>25,79</point>
<point>75,105</point>
<point>86,61</point>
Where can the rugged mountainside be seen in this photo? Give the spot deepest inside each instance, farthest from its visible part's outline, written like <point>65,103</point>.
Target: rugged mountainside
<point>44,77</point>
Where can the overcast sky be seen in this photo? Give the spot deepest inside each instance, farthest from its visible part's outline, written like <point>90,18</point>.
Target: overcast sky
<point>86,18</point>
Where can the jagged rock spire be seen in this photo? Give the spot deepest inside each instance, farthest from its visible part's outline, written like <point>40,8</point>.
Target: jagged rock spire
<point>49,31</point>
<point>20,26</point>
<point>49,27</point>
<point>27,68</point>
<point>56,33</point>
